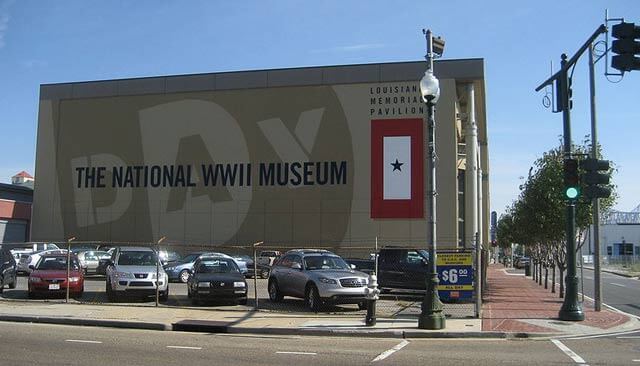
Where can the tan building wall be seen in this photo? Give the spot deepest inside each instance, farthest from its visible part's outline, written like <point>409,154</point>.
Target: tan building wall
<point>135,160</point>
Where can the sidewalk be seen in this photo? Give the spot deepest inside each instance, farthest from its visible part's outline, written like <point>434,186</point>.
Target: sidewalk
<point>515,306</point>
<point>516,303</point>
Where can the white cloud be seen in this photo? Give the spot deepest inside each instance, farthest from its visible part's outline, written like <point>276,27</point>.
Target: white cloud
<point>4,20</point>
<point>4,25</point>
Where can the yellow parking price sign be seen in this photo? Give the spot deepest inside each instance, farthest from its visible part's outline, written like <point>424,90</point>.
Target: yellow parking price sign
<point>455,272</point>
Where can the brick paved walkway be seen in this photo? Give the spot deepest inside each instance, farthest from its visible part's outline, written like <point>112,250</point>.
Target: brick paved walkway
<point>515,303</point>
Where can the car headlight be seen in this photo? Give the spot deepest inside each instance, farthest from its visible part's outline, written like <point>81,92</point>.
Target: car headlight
<point>162,274</point>
<point>327,280</point>
<point>124,275</point>
<point>35,279</point>
<point>203,284</point>
<point>239,284</point>
<point>74,279</point>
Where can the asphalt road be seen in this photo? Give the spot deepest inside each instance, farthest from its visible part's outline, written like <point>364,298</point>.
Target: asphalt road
<point>41,344</point>
<point>620,292</point>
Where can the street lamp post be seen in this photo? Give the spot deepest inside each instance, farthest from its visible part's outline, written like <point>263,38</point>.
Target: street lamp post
<point>431,316</point>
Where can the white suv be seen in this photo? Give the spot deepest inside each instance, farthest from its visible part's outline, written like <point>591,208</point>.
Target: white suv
<point>132,271</point>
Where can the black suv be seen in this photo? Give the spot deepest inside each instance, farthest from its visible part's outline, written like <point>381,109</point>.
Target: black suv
<point>7,269</point>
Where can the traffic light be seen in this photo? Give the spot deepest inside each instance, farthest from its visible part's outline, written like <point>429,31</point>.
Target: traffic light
<point>596,175</point>
<point>571,179</point>
<point>626,46</point>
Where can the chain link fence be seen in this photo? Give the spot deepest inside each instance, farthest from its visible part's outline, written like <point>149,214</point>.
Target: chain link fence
<point>402,274</point>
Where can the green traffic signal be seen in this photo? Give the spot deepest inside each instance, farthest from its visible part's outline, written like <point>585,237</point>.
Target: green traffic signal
<point>571,179</point>
<point>572,192</point>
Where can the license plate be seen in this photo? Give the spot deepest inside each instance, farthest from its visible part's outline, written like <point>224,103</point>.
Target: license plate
<point>54,286</point>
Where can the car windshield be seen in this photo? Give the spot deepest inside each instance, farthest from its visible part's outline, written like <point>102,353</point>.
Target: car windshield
<point>221,265</point>
<point>56,263</point>
<point>324,262</point>
<point>137,258</point>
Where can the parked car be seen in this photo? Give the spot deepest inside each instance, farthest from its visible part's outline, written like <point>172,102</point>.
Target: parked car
<point>8,269</point>
<point>49,276</point>
<point>247,261</point>
<point>22,265</point>
<point>132,271</point>
<point>216,277</point>
<point>83,247</point>
<point>319,277</point>
<point>90,260</point>
<point>363,265</point>
<point>268,257</point>
<point>521,262</point>
<point>179,270</point>
<point>169,256</point>
<point>400,268</point>
<point>25,264</point>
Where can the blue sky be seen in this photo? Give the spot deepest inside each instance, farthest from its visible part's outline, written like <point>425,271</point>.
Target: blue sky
<point>60,41</point>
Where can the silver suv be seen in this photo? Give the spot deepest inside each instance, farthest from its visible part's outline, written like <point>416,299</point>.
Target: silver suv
<point>132,271</point>
<point>319,277</point>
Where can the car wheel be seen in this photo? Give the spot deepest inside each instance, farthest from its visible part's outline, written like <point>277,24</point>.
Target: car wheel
<point>243,301</point>
<point>184,275</point>
<point>1,284</point>
<point>13,283</point>
<point>264,273</point>
<point>111,295</point>
<point>164,296</point>
<point>362,305</point>
<point>312,298</point>
<point>274,291</point>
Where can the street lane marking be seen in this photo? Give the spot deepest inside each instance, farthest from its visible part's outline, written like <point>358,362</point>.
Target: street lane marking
<point>81,341</point>
<point>617,284</point>
<point>388,353</point>
<point>629,337</point>
<point>184,347</point>
<point>296,353</point>
<point>573,338</point>
<point>567,351</point>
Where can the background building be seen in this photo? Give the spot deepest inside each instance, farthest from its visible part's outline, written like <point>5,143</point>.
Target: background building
<point>293,157</point>
<point>15,209</point>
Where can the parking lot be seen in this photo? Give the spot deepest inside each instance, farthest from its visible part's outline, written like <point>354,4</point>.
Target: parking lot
<point>392,305</point>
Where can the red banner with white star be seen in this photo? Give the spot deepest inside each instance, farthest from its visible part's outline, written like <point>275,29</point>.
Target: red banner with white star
<point>397,168</point>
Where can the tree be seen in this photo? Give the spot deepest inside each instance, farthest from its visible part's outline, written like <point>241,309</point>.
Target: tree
<point>538,218</point>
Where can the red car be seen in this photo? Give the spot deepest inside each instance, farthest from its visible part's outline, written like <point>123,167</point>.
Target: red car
<point>49,276</point>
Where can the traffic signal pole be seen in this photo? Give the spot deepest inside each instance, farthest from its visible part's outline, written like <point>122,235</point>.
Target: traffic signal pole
<point>597,282</point>
<point>571,308</point>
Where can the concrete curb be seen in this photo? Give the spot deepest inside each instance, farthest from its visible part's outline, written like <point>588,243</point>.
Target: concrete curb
<point>86,322</point>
